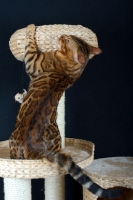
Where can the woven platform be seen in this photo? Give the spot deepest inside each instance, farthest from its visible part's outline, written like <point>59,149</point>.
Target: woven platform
<point>109,173</point>
<point>30,169</point>
<point>47,38</point>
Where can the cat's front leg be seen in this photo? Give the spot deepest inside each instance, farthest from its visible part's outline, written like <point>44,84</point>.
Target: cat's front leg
<point>31,51</point>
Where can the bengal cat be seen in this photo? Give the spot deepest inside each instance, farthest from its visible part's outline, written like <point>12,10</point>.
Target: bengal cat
<point>36,134</point>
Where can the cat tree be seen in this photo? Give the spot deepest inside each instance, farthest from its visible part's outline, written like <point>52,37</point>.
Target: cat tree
<point>17,174</point>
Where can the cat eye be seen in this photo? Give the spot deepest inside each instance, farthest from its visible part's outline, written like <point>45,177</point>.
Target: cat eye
<point>65,40</point>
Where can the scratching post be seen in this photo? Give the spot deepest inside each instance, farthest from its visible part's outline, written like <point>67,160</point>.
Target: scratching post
<point>61,118</point>
<point>54,186</point>
<point>17,174</point>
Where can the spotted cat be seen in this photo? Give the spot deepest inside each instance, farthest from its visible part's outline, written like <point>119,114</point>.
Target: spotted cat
<point>36,134</point>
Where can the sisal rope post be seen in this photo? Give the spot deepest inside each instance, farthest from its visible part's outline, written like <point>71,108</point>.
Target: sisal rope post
<point>61,118</point>
<point>17,189</point>
<point>55,186</point>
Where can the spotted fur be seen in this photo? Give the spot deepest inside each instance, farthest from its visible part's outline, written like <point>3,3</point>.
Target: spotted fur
<point>36,134</point>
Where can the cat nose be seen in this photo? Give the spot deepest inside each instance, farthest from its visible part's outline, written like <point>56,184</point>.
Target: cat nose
<point>63,36</point>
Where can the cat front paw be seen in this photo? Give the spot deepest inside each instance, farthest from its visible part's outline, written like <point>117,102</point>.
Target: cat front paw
<point>30,31</point>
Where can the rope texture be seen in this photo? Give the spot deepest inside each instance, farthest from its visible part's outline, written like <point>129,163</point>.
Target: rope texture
<point>17,189</point>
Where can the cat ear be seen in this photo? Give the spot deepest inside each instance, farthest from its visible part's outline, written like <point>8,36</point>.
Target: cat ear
<point>96,50</point>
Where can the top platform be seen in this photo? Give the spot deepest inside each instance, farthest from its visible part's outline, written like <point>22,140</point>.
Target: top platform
<point>82,152</point>
<point>47,38</point>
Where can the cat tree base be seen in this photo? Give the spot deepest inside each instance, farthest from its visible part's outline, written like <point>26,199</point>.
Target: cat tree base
<point>20,172</point>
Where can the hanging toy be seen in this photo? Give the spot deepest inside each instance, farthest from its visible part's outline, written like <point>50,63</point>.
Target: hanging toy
<point>19,97</point>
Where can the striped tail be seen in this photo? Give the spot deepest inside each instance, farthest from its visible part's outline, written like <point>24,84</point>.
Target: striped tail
<point>65,161</point>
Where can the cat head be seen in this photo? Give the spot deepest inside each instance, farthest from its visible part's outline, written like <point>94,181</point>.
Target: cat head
<point>76,49</point>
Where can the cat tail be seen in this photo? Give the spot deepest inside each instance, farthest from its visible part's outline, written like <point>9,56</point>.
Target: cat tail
<point>65,161</point>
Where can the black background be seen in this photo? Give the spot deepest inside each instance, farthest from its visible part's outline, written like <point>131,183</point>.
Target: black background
<point>99,107</point>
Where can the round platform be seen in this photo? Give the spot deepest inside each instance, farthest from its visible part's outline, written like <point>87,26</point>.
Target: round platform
<point>109,173</point>
<point>47,38</point>
<point>82,152</point>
